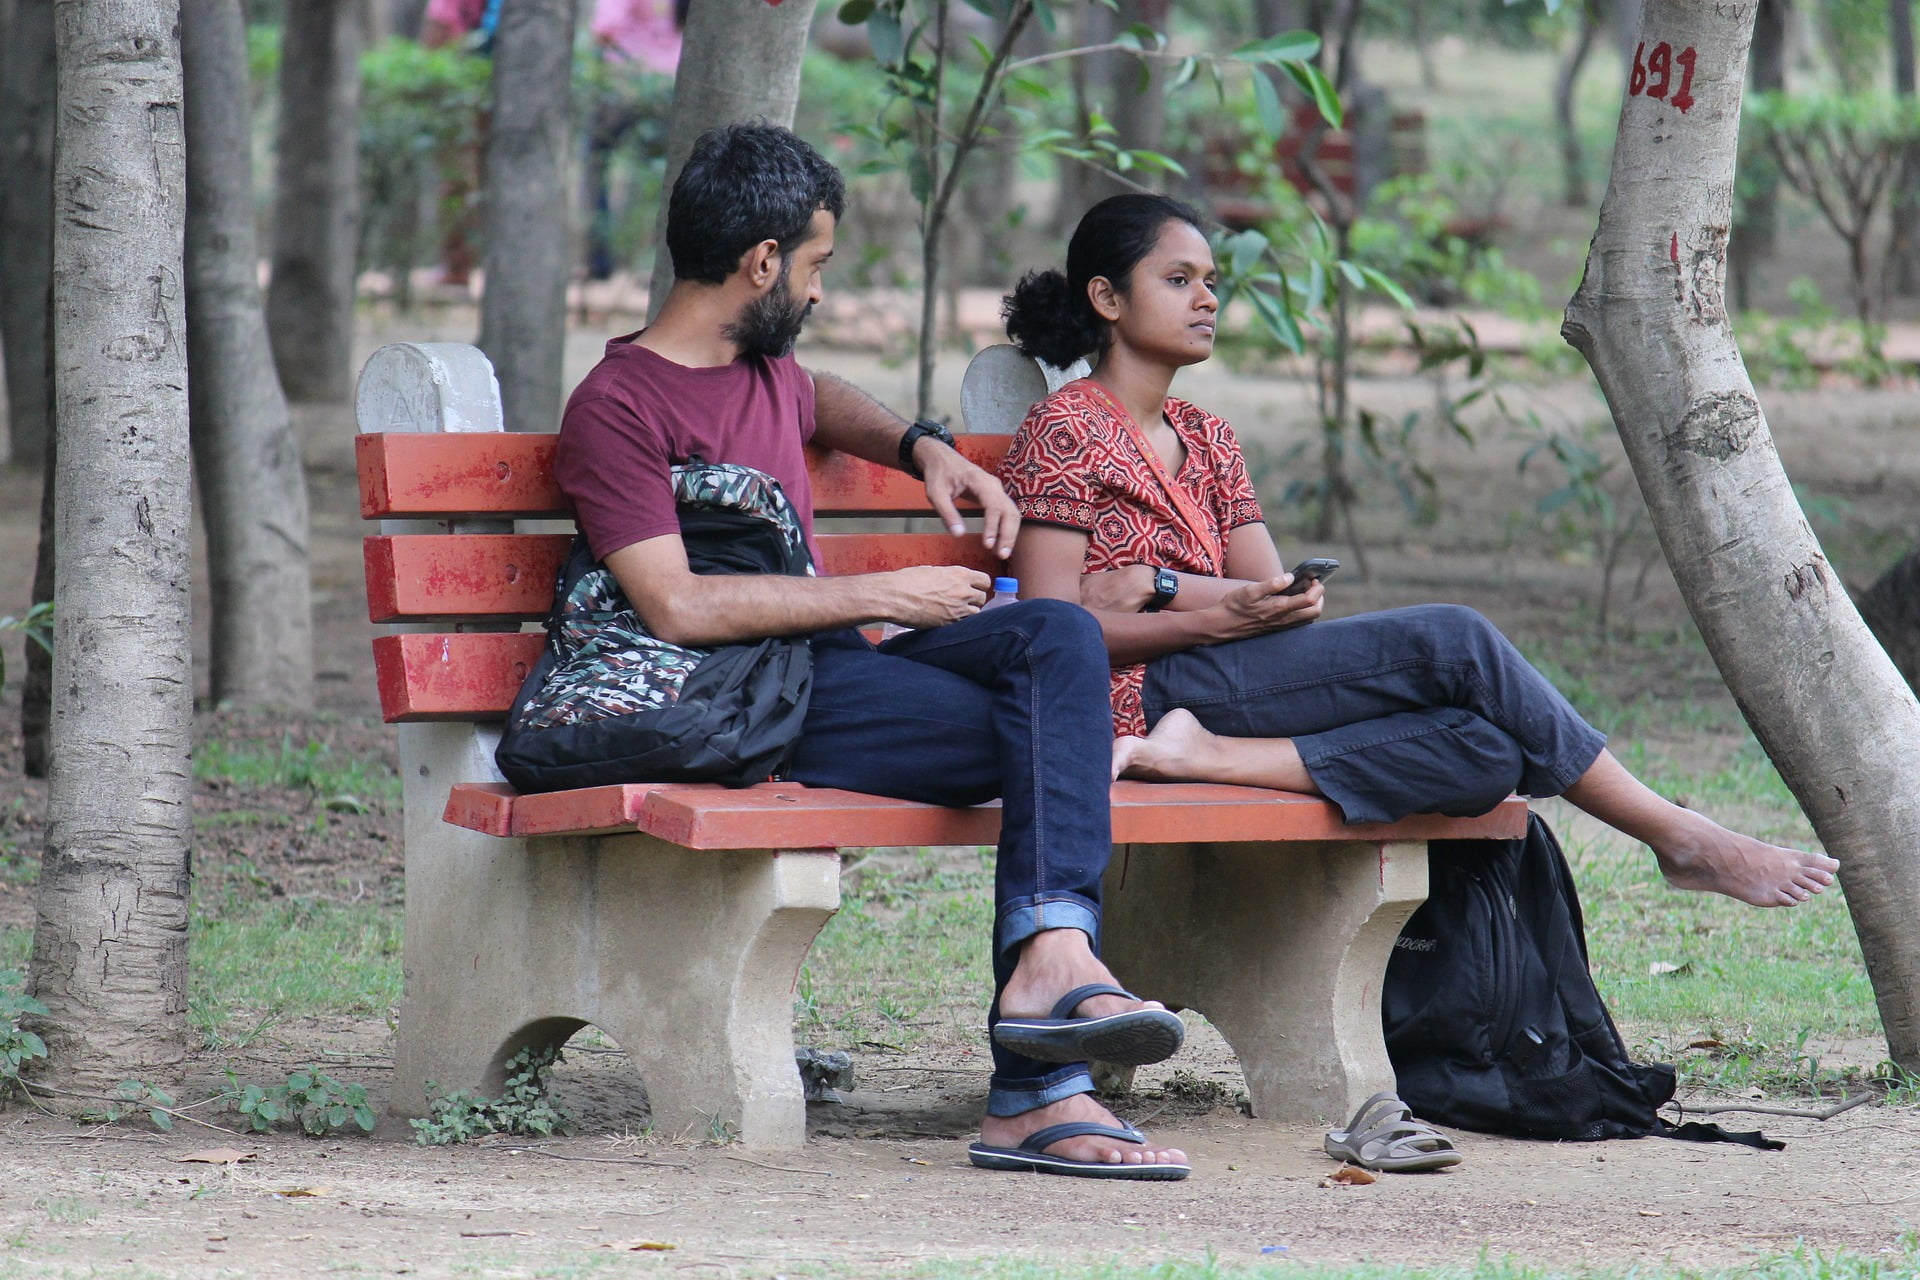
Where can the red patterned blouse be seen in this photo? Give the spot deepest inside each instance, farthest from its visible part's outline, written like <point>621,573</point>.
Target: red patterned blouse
<point>1078,462</point>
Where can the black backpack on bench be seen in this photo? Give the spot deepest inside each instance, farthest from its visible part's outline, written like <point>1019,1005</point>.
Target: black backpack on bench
<point>1491,1016</point>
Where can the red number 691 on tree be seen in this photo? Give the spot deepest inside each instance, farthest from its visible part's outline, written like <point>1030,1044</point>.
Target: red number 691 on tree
<point>1653,74</point>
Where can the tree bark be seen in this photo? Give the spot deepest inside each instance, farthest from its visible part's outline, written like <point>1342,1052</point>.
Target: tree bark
<point>316,218</point>
<point>1756,229</point>
<point>1572,156</point>
<point>26,226</point>
<point>739,60</point>
<point>36,687</point>
<point>253,489</point>
<point>110,934</point>
<point>1821,696</point>
<point>523,316</point>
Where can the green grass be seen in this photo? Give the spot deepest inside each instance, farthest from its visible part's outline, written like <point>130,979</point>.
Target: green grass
<point>287,958</point>
<point>311,766</point>
<point>16,945</point>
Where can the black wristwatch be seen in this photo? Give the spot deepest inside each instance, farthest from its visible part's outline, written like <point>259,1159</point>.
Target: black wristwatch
<point>1166,585</point>
<point>923,427</point>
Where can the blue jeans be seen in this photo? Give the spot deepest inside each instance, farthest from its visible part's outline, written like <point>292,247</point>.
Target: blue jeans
<point>1010,703</point>
<point>1421,710</point>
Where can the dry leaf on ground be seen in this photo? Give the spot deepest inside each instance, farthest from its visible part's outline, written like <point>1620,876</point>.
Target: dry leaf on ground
<point>1348,1176</point>
<point>640,1246</point>
<point>216,1155</point>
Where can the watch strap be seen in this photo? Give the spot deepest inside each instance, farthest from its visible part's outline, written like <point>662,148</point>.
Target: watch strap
<point>922,427</point>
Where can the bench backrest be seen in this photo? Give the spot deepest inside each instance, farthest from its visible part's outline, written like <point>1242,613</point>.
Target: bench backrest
<point>465,581</point>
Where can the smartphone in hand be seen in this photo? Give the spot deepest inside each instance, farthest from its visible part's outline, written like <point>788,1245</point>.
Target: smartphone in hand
<point>1314,569</point>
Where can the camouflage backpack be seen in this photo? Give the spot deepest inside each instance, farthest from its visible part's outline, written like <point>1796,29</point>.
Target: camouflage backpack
<point>608,702</point>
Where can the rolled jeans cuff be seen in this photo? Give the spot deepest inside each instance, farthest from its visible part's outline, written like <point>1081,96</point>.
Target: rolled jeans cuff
<point>1021,918</point>
<point>1017,1097</point>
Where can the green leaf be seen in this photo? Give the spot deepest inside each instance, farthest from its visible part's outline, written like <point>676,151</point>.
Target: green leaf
<point>1387,285</point>
<point>1273,114</point>
<point>920,178</point>
<point>161,1120</point>
<point>1314,83</point>
<point>1279,321</point>
<point>855,12</point>
<point>1288,46</point>
<point>1184,74</point>
<point>889,43</point>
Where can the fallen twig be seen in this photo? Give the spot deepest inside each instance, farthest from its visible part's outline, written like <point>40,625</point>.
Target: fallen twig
<point>780,1168</point>
<point>1828,1114</point>
<point>36,1087</point>
<point>639,1160</point>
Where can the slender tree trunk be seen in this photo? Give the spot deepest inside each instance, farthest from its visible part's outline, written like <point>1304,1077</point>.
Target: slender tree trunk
<point>1573,159</point>
<point>1822,697</point>
<point>1756,229</point>
<point>316,212</point>
<point>26,226</point>
<point>110,936</point>
<point>251,483</point>
<point>523,316</point>
<point>1903,244</point>
<point>36,688</point>
<point>739,60</point>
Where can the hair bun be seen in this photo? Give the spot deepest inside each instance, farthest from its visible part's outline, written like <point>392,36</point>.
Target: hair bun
<point>1047,322</point>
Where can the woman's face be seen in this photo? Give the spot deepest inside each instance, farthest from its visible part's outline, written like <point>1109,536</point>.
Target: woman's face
<point>1167,312</point>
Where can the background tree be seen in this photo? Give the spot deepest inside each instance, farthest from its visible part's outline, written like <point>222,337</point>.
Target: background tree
<point>316,209</point>
<point>110,937</point>
<point>1566,82</point>
<point>1903,244</point>
<point>1756,220</point>
<point>26,226</point>
<point>1822,697</point>
<point>739,60</point>
<point>252,486</point>
<point>523,315</point>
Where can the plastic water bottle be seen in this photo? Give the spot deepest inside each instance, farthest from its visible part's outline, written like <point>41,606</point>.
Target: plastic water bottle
<point>1005,591</point>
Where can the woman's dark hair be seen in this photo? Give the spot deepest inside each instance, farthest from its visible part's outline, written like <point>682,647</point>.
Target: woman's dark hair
<point>1048,315</point>
<point>742,184</point>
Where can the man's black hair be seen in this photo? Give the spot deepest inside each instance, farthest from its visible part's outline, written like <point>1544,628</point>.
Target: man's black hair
<point>742,184</point>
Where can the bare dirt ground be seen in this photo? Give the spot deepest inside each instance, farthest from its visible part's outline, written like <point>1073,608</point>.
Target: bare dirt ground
<point>883,1183</point>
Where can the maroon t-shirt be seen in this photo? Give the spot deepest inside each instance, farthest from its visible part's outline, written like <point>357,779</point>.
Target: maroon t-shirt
<point>638,413</point>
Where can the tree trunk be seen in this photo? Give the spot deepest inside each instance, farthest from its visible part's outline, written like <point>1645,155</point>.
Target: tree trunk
<point>739,60</point>
<point>1892,608</point>
<point>316,212</point>
<point>253,490</point>
<point>1572,156</point>
<point>1903,245</point>
<point>110,935</point>
<point>1757,227</point>
<point>36,687</point>
<point>1820,694</point>
<point>523,316</point>
<point>26,226</point>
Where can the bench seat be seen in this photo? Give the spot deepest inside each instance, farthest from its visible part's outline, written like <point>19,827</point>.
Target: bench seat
<point>676,917</point>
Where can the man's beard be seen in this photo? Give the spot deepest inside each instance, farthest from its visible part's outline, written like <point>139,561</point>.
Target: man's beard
<point>770,324</point>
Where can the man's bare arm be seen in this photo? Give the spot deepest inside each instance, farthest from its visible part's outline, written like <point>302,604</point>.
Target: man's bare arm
<point>848,419</point>
<point>702,610</point>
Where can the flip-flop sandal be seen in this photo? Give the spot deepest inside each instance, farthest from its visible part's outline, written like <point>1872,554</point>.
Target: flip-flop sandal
<point>1384,1137</point>
<point>1130,1039</point>
<point>1031,1155</point>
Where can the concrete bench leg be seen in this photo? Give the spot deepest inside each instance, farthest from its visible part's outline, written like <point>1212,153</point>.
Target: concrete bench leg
<point>687,958</point>
<point>1281,946</point>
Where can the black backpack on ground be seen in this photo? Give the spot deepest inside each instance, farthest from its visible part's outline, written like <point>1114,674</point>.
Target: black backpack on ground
<point>1491,1016</point>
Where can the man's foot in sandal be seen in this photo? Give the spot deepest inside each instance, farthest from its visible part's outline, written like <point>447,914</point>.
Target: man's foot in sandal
<point>1062,1005</point>
<point>1384,1136</point>
<point>1076,1137</point>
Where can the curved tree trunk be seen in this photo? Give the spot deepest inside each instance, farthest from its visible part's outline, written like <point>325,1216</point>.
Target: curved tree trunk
<point>316,211</point>
<point>739,60</point>
<point>523,316</point>
<point>1832,712</point>
<point>1573,161</point>
<point>253,490</point>
<point>26,226</point>
<point>110,935</point>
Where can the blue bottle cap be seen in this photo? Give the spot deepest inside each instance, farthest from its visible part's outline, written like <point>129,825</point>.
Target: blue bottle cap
<point>1009,586</point>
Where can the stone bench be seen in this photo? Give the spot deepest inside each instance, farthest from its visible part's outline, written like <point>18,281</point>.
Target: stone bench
<point>676,917</point>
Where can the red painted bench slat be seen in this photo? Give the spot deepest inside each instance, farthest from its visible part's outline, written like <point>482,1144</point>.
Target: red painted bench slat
<point>440,475</point>
<point>783,815</point>
<point>452,676</point>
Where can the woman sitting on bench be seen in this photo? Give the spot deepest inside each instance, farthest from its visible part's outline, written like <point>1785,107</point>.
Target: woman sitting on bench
<point>1216,675</point>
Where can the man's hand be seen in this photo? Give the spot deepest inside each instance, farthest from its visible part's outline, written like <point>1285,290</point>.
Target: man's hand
<point>1260,607</point>
<point>1125,590</point>
<point>951,477</point>
<point>931,595</point>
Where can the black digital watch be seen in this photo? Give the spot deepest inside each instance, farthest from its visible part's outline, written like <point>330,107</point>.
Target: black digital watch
<point>1166,585</point>
<point>922,427</point>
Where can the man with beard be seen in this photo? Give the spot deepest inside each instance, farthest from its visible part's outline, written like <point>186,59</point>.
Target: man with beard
<point>964,707</point>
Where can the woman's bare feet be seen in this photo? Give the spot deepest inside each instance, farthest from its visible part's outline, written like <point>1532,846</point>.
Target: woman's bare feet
<point>1705,856</point>
<point>1181,749</point>
<point>1178,750</point>
<point>1011,1131</point>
